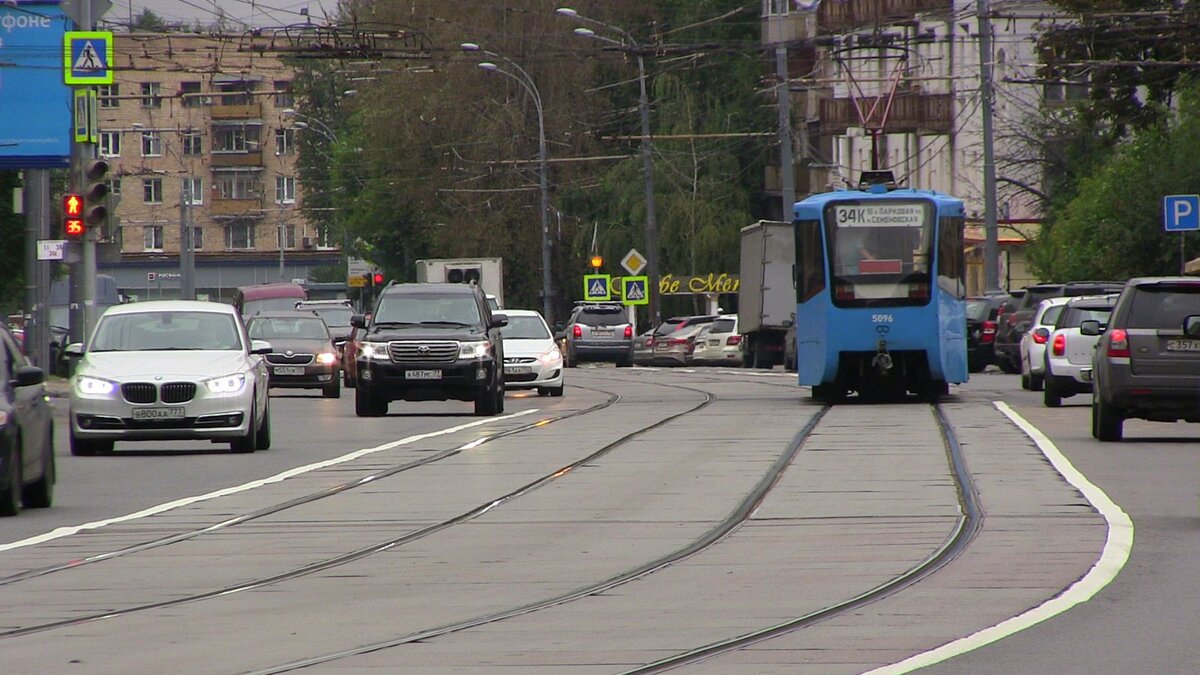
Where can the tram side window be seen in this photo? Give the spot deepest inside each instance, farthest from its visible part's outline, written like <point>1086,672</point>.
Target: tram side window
<point>951,268</point>
<point>810,260</point>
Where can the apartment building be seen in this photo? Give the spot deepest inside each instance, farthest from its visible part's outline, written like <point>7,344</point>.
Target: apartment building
<point>195,129</point>
<point>894,84</point>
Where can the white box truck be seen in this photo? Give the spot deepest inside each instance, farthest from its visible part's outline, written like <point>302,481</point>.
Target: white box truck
<point>767,293</point>
<point>487,273</point>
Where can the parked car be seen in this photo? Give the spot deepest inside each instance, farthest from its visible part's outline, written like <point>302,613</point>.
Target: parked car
<point>27,473</point>
<point>599,332</point>
<point>643,348</point>
<point>721,344</point>
<point>1147,362</point>
<point>430,342</point>
<point>532,359</point>
<point>304,356</point>
<point>169,370</point>
<point>675,348</point>
<point>1068,369</point>
<point>1033,342</point>
<point>1017,323</point>
<point>1005,324</point>
<point>981,330</point>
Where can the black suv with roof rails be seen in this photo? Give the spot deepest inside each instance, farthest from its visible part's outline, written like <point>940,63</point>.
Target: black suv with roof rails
<point>430,342</point>
<point>1014,324</point>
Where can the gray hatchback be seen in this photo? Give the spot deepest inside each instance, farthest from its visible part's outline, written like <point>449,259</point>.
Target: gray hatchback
<point>1147,362</point>
<point>599,332</point>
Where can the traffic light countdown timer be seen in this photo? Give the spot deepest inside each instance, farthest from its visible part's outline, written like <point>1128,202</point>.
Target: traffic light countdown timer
<point>89,209</point>
<point>73,227</point>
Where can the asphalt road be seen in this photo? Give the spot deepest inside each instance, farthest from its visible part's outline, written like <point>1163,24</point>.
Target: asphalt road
<point>648,496</point>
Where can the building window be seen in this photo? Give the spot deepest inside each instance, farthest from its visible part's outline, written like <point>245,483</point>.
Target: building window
<point>151,144</point>
<point>324,236</point>
<point>285,236</point>
<point>197,237</point>
<point>193,191</point>
<point>107,94</point>
<point>285,190</point>
<point>235,138</point>
<point>778,7</point>
<point>239,234</point>
<point>236,93</point>
<point>110,144</point>
<point>152,192</point>
<point>151,95</point>
<point>285,141</point>
<point>283,94</point>
<point>153,235</point>
<point>189,94</point>
<point>192,143</point>
<point>114,187</point>
<point>235,186</point>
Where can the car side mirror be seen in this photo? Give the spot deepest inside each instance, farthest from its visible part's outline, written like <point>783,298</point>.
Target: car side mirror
<point>358,321</point>
<point>1091,327</point>
<point>73,349</point>
<point>30,375</point>
<point>1191,325</point>
<point>260,347</point>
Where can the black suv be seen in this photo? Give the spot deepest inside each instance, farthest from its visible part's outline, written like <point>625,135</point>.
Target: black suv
<point>1147,362</point>
<point>1014,324</point>
<point>430,342</point>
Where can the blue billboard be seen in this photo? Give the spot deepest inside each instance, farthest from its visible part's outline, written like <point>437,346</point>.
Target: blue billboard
<point>35,104</point>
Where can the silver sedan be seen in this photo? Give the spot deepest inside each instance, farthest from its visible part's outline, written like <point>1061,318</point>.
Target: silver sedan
<point>169,370</point>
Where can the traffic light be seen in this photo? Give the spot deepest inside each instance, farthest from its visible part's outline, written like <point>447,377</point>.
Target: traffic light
<point>95,192</point>
<point>597,261</point>
<point>73,226</point>
<point>377,280</point>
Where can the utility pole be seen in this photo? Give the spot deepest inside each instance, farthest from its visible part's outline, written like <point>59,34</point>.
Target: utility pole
<point>83,274</point>
<point>36,198</point>
<point>991,246</point>
<point>187,260</point>
<point>786,162</point>
<point>651,218</point>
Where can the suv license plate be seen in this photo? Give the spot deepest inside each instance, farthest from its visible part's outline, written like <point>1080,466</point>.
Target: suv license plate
<point>289,370</point>
<point>601,333</point>
<point>158,413</point>
<point>422,374</point>
<point>1183,345</point>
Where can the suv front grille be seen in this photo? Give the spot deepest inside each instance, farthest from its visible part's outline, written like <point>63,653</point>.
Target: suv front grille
<point>423,352</point>
<point>178,392</point>
<point>139,392</point>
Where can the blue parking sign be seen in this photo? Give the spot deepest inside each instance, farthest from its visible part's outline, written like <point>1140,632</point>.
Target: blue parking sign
<point>1181,213</point>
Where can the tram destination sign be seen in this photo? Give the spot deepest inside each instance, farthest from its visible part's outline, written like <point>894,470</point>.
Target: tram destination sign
<point>883,214</point>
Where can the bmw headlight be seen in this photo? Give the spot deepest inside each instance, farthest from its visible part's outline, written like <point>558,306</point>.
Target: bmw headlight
<point>94,386</point>
<point>227,385</point>
<point>374,351</point>
<point>474,350</point>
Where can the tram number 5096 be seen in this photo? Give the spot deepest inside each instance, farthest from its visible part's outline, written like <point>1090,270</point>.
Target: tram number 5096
<point>882,318</point>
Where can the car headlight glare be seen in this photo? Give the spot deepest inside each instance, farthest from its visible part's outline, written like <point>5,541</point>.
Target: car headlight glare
<point>229,384</point>
<point>551,356</point>
<point>474,350</point>
<point>377,351</point>
<point>326,358</point>
<point>94,386</point>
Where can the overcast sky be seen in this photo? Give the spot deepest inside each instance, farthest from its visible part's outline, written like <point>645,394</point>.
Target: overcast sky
<point>265,13</point>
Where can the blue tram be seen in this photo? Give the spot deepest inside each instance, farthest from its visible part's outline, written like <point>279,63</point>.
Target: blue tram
<point>880,288</point>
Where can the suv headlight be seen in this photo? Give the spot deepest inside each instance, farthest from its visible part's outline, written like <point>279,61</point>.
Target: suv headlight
<point>94,387</point>
<point>373,351</point>
<point>226,385</point>
<point>474,350</point>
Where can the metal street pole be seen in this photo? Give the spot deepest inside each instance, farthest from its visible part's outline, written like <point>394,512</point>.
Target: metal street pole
<point>991,245</point>
<point>187,260</point>
<point>786,166</point>
<point>36,199</point>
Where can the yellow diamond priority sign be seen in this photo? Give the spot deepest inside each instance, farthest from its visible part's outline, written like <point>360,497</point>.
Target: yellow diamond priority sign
<point>633,262</point>
<point>635,290</point>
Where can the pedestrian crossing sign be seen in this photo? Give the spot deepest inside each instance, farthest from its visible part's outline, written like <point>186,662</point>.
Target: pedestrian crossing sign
<point>635,290</point>
<point>88,57</point>
<point>595,287</point>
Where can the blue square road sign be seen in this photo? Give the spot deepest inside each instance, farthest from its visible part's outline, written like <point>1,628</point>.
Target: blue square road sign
<point>1181,213</point>
<point>87,57</point>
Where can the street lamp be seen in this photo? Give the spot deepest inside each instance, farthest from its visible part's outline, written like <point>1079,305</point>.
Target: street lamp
<point>628,44</point>
<point>527,83</point>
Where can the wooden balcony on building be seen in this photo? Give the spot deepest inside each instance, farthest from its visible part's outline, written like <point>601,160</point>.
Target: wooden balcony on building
<point>911,112</point>
<point>238,111</point>
<point>845,16</point>
<point>236,208</point>
<point>251,158</point>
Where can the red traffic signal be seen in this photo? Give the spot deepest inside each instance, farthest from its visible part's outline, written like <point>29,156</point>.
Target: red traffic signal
<point>72,206</point>
<point>377,279</point>
<point>73,228</point>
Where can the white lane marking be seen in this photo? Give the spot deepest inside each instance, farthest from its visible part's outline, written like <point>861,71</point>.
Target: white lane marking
<point>1112,559</point>
<point>61,532</point>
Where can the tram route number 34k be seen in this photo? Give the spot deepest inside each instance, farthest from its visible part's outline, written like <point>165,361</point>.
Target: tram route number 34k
<point>881,215</point>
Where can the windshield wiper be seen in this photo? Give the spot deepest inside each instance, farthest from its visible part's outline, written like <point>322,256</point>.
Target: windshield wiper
<point>393,323</point>
<point>445,323</point>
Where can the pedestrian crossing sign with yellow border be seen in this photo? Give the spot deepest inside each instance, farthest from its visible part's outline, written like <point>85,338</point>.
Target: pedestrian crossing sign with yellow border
<point>595,287</point>
<point>635,290</point>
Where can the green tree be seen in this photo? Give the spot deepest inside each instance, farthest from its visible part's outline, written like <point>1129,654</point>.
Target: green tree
<point>149,22</point>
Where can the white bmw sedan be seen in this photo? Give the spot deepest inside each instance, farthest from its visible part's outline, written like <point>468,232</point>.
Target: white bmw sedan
<point>532,359</point>
<point>169,370</point>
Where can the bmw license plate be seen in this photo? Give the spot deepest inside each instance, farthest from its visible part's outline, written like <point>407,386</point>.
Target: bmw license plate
<point>289,370</point>
<point>1183,345</point>
<point>422,374</point>
<point>518,370</point>
<point>157,413</point>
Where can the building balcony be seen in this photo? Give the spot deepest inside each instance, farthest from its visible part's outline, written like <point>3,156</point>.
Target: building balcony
<point>911,113</point>
<point>253,158</point>
<point>236,208</point>
<point>237,111</point>
<point>845,16</point>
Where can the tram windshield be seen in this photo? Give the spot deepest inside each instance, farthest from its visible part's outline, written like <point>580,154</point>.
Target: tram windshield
<point>880,250</point>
